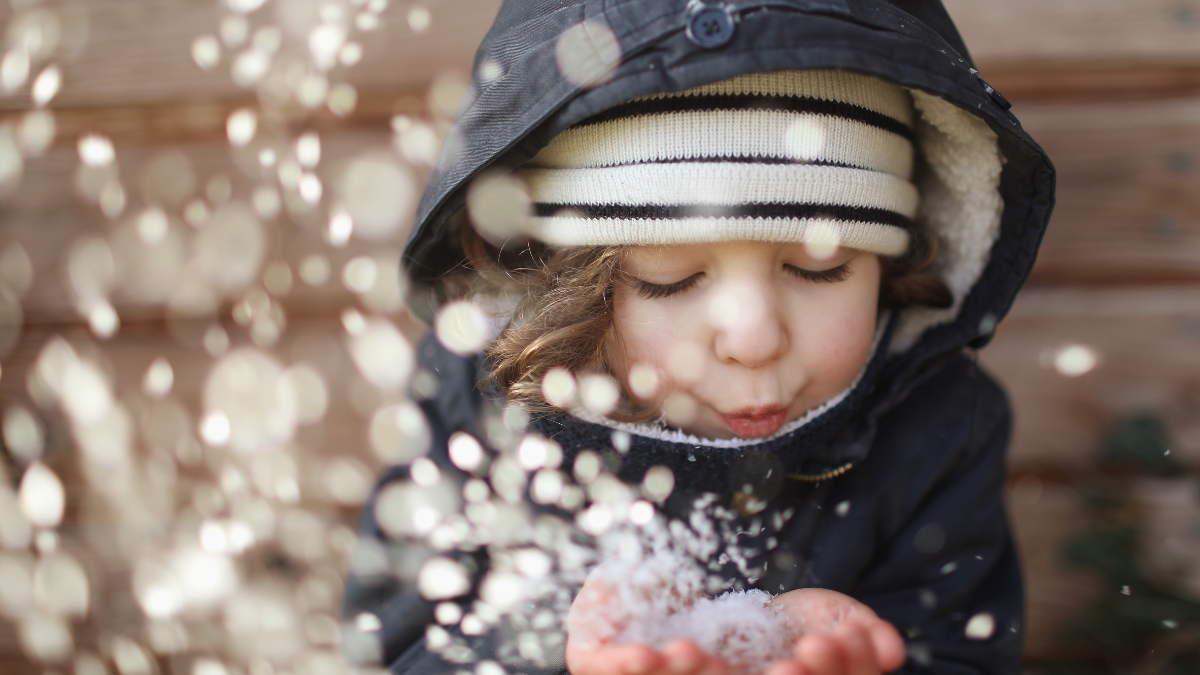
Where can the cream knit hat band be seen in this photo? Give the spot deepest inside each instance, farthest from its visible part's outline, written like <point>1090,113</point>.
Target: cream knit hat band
<point>790,156</point>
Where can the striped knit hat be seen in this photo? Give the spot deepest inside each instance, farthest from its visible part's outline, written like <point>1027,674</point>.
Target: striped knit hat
<point>792,156</point>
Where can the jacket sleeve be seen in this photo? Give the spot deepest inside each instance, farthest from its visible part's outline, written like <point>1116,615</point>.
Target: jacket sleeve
<point>381,582</point>
<point>945,571</point>
<point>372,588</point>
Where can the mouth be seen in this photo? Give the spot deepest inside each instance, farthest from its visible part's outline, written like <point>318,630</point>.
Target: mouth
<point>755,422</point>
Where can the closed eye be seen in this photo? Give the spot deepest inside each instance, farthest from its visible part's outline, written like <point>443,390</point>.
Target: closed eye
<point>829,276</point>
<point>658,291</point>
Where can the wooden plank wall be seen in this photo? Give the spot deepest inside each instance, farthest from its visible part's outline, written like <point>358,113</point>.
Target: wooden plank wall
<point>1110,87</point>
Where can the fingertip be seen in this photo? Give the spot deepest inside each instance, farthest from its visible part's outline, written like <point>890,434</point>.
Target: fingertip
<point>639,660</point>
<point>803,643</point>
<point>855,651</point>
<point>626,659</point>
<point>683,657</point>
<point>681,645</point>
<point>889,646</point>
<point>784,668</point>
<point>817,653</point>
<point>716,666</point>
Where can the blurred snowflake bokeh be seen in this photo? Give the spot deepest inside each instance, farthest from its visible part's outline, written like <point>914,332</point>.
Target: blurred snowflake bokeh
<point>206,357</point>
<point>206,352</point>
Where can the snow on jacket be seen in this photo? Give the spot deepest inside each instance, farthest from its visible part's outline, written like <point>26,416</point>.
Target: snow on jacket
<point>910,519</point>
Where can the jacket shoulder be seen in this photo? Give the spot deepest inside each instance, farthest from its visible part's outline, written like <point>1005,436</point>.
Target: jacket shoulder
<point>955,393</point>
<point>961,374</point>
<point>955,418</point>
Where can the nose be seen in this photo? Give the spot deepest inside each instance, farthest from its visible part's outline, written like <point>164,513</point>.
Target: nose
<point>749,324</point>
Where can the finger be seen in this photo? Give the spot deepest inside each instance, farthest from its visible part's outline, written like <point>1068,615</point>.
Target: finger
<point>785,668</point>
<point>858,654</point>
<point>714,666</point>
<point>632,659</point>
<point>684,657</point>
<point>819,654</point>
<point>636,659</point>
<point>889,646</point>
<point>821,610</point>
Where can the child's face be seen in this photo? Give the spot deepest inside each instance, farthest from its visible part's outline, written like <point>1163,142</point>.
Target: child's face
<point>756,334</point>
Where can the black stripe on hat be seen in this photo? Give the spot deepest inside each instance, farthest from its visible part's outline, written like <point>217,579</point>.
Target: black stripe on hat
<point>736,159</point>
<point>715,102</point>
<point>863,214</point>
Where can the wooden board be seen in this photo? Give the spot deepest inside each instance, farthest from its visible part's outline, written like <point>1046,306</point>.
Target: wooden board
<point>319,342</point>
<point>1128,206</point>
<point>141,53</point>
<point>1044,517</point>
<point>1129,172</point>
<point>1128,199</point>
<point>109,535</point>
<point>1147,342</point>
<point>1092,83</point>
<point>47,215</point>
<point>1148,346</point>
<point>1038,32</point>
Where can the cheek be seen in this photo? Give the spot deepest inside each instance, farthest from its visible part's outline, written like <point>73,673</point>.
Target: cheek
<point>650,332</point>
<point>842,339</point>
<point>641,332</point>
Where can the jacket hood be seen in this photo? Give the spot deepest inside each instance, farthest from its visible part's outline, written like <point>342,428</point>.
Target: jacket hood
<point>987,189</point>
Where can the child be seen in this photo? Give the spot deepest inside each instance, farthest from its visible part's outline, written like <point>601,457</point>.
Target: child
<point>775,228</point>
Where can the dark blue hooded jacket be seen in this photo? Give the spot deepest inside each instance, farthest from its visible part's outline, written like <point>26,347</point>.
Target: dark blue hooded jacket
<point>915,527</point>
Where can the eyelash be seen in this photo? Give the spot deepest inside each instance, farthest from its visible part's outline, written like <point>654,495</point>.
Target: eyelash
<point>828,276</point>
<point>659,291</point>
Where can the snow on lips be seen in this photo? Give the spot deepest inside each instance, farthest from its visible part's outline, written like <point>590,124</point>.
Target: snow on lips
<point>660,599</point>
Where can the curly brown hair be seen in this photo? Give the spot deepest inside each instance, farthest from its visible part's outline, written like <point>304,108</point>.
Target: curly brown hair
<point>565,307</point>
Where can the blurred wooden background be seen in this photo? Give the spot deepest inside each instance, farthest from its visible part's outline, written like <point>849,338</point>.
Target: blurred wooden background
<point>1111,88</point>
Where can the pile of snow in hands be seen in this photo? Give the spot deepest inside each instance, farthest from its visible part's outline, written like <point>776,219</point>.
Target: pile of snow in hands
<point>660,597</point>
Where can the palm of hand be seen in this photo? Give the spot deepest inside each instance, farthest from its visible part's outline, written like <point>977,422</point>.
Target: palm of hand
<point>590,650</point>
<point>838,636</point>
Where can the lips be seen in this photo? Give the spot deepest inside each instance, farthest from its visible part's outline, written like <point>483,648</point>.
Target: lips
<point>756,422</point>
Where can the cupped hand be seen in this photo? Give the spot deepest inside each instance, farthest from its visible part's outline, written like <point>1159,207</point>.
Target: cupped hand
<point>592,625</point>
<point>838,636</point>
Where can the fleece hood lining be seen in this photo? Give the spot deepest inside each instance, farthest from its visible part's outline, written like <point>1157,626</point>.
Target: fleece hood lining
<point>961,205</point>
